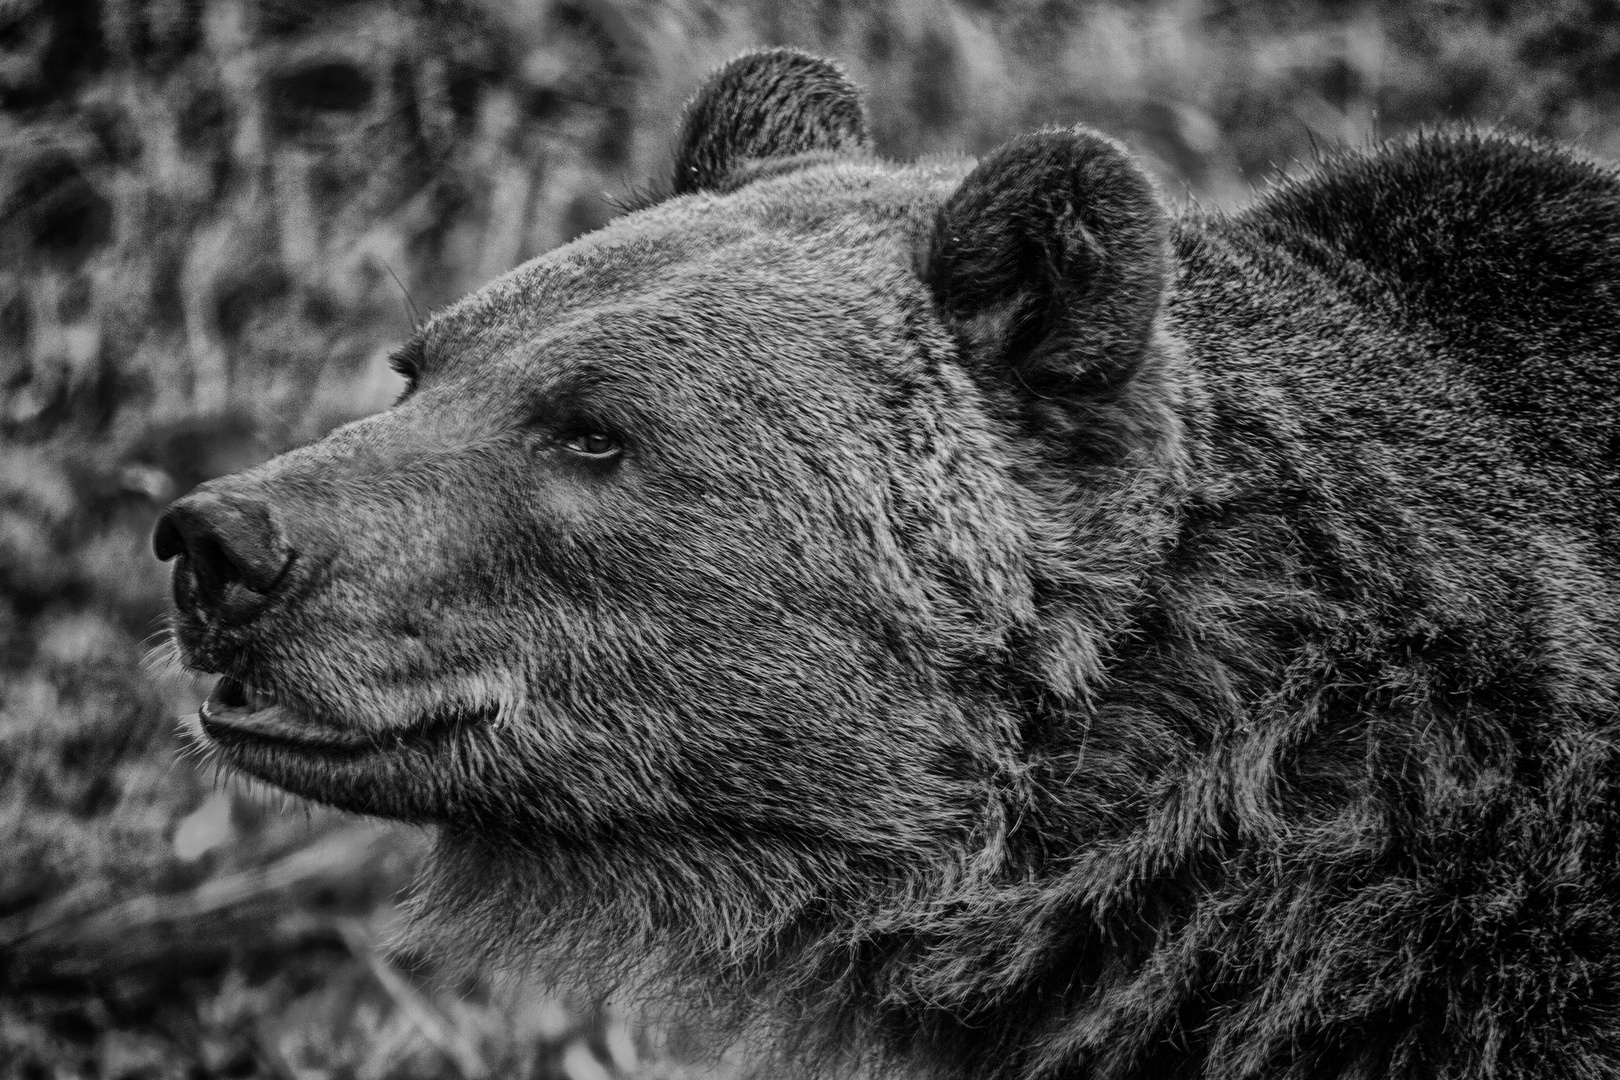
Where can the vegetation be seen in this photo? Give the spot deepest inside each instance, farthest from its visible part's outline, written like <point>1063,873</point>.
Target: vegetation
<point>217,216</point>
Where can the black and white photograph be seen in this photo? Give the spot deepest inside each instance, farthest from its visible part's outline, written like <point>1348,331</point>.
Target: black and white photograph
<point>809,540</point>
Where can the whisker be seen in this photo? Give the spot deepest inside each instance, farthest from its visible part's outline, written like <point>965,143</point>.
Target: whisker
<point>412,310</point>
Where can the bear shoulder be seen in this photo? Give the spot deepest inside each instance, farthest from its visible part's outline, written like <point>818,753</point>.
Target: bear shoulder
<point>1470,228</point>
<point>1497,254</point>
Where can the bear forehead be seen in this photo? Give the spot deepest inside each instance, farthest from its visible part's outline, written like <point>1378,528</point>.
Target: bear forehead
<point>816,234</point>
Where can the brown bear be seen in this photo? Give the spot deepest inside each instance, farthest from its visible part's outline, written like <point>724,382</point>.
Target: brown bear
<point>982,621</point>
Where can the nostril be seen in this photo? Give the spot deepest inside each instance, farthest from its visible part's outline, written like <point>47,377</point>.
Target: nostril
<point>167,540</point>
<point>213,565</point>
<point>226,539</point>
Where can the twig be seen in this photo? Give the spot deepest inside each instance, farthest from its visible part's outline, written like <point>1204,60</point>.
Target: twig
<point>421,1012</point>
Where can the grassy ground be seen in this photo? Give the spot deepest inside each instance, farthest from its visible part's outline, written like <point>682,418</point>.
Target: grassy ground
<point>215,219</point>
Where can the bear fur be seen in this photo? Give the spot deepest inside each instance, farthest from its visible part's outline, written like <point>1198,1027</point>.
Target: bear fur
<point>983,622</point>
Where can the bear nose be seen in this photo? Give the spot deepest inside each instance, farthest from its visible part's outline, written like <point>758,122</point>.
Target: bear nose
<point>228,538</point>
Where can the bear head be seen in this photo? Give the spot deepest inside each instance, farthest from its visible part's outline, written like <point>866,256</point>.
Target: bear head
<point>728,568</point>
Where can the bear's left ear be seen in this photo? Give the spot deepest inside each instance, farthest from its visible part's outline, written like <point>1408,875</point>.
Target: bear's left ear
<point>1049,264</point>
<point>775,103</point>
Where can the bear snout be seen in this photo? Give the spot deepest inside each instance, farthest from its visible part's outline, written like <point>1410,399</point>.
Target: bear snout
<point>230,550</point>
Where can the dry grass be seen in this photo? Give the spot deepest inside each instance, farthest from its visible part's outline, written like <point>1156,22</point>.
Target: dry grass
<point>216,217</point>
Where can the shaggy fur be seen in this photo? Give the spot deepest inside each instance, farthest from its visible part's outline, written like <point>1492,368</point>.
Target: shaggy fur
<point>1002,629</point>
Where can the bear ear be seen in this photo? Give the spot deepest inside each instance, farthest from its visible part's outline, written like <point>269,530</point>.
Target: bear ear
<point>1049,265</point>
<point>770,104</point>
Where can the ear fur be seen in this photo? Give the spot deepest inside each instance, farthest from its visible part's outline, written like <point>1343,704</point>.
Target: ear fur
<point>1049,263</point>
<point>775,103</point>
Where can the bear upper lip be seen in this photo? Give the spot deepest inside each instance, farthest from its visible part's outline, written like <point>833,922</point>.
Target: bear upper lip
<point>236,693</point>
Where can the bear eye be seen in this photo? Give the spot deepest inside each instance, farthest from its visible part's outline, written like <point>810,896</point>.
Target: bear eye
<point>592,444</point>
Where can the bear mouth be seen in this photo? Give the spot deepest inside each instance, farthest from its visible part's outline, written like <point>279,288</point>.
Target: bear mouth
<point>245,719</point>
<point>236,712</point>
<point>386,773</point>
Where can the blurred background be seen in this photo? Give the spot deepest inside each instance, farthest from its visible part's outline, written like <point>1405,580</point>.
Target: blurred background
<point>217,216</point>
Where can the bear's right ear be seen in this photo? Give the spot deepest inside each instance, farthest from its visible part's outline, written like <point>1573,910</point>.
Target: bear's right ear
<point>1049,264</point>
<point>771,104</point>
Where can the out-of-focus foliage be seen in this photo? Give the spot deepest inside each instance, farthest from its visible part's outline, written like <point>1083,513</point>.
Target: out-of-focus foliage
<point>216,216</point>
